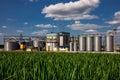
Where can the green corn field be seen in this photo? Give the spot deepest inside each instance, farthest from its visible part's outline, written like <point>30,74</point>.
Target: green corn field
<point>59,66</point>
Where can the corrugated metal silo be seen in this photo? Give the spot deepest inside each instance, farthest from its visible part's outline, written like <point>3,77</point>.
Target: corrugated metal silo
<point>109,43</point>
<point>97,42</point>
<point>75,43</point>
<point>11,45</point>
<point>90,43</point>
<point>75,46</point>
<point>71,46</point>
<point>82,43</point>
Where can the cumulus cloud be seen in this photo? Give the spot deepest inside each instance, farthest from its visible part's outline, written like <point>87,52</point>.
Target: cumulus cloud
<point>25,23</point>
<point>77,22</point>
<point>117,15</point>
<point>33,0</point>
<point>41,32</point>
<point>82,27</point>
<point>4,26</point>
<point>45,26</point>
<point>116,19</point>
<point>91,31</point>
<point>114,22</point>
<point>19,31</point>
<point>72,10</point>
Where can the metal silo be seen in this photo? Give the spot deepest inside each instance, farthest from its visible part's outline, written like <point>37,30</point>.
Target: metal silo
<point>71,46</point>
<point>90,43</point>
<point>75,43</point>
<point>35,43</point>
<point>75,46</point>
<point>11,45</point>
<point>97,42</point>
<point>82,43</point>
<point>109,42</point>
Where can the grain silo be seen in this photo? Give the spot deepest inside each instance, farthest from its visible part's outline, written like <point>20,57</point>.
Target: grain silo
<point>82,42</point>
<point>71,46</point>
<point>97,42</point>
<point>75,43</point>
<point>75,46</point>
<point>11,44</point>
<point>90,43</point>
<point>109,42</point>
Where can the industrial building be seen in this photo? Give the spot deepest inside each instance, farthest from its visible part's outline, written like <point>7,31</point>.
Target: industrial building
<point>92,42</point>
<point>62,41</point>
<point>57,41</point>
<point>52,42</point>
<point>24,43</point>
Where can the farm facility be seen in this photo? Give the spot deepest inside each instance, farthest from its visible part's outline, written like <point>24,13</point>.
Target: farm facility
<point>64,42</point>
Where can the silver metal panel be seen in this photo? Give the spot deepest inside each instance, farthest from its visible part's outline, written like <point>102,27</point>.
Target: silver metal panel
<point>61,41</point>
<point>90,43</point>
<point>71,48</point>
<point>109,43</point>
<point>82,42</point>
<point>97,42</point>
<point>75,46</point>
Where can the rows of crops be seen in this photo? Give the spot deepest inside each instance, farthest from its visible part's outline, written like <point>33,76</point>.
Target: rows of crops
<point>59,66</point>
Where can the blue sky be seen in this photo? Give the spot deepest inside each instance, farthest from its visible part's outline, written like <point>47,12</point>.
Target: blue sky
<point>38,17</point>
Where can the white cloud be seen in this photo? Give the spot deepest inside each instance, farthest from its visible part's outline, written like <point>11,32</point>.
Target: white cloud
<point>45,26</point>
<point>113,22</point>
<point>33,0</point>
<point>41,32</point>
<point>118,29</point>
<point>91,31</point>
<point>77,22</point>
<point>117,15</point>
<point>19,31</point>
<point>4,26</point>
<point>1,34</point>
<point>11,19</point>
<point>72,11</point>
<point>82,27</point>
<point>116,19</point>
<point>25,23</point>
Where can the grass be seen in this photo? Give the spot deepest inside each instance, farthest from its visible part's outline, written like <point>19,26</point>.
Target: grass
<point>59,66</point>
